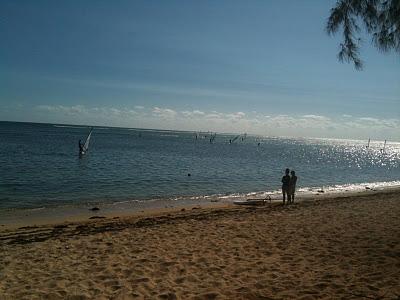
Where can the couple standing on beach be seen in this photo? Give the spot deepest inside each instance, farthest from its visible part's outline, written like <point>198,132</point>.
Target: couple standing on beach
<point>289,186</point>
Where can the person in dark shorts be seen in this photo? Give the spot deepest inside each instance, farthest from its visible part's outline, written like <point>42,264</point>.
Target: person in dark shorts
<point>285,186</point>
<point>292,186</point>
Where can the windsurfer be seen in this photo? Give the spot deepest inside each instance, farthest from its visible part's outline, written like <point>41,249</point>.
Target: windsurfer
<point>80,147</point>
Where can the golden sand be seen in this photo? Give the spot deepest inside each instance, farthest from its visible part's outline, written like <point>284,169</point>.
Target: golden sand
<point>340,248</point>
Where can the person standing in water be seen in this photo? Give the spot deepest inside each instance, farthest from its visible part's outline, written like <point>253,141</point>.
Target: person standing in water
<point>80,147</point>
<point>292,186</point>
<point>285,186</point>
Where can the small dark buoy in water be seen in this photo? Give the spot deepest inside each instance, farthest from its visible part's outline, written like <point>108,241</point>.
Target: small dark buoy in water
<point>189,174</point>
<point>95,209</point>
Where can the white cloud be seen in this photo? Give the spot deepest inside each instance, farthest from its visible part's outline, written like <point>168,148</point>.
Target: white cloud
<point>75,109</point>
<point>316,117</point>
<point>164,113</point>
<point>194,113</point>
<point>369,120</point>
<point>115,111</point>
<point>198,112</point>
<point>214,115</point>
<point>392,123</point>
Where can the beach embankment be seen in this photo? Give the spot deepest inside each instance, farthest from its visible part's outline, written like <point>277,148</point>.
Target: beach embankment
<point>345,247</point>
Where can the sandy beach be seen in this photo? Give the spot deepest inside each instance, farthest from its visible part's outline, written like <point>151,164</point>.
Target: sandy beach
<point>340,248</point>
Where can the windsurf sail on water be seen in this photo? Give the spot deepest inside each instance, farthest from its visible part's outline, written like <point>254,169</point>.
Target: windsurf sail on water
<point>384,147</point>
<point>85,146</point>
<point>234,139</point>
<point>213,136</point>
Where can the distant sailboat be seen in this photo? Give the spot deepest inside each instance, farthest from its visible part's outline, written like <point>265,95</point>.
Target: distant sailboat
<point>234,139</point>
<point>384,147</point>
<point>85,148</point>
<point>369,140</point>
<point>243,137</point>
<point>213,136</point>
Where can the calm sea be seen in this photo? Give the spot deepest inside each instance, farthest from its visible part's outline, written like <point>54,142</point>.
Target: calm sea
<point>40,166</point>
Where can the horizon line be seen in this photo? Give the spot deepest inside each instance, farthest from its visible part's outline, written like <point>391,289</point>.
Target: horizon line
<point>198,131</point>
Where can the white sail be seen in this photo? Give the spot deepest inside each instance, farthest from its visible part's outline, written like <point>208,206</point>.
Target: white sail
<point>85,147</point>
<point>235,138</point>
<point>212,137</point>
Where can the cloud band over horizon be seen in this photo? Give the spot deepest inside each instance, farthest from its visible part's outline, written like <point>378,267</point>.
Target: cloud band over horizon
<point>306,125</point>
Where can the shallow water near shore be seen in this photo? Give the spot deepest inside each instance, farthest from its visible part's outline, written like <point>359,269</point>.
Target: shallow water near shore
<point>40,167</point>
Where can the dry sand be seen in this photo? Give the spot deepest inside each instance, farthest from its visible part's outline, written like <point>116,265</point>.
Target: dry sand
<point>341,248</point>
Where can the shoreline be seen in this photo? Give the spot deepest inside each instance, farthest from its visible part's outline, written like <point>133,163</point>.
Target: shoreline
<point>14,218</point>
<point>343,247</point>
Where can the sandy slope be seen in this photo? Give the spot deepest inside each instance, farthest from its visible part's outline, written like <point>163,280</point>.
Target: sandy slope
<point>346,248</point>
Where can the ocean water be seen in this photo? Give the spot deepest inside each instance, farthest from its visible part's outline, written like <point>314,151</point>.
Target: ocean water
<point>40,166</point>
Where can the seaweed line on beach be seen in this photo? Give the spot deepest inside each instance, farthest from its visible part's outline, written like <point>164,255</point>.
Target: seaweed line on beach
<point>26,235</point>
<point>32,234</point>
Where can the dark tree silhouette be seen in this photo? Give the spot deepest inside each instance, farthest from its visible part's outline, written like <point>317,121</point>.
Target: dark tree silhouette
<point>381,19</point>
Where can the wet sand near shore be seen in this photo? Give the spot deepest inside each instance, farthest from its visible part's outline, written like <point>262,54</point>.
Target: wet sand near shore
<point>336,248</point>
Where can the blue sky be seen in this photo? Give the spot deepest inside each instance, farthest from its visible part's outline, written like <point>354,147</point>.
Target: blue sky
<point>264,67</point>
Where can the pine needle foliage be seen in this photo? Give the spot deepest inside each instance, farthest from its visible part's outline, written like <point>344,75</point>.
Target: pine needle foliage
<point>380,18</point>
